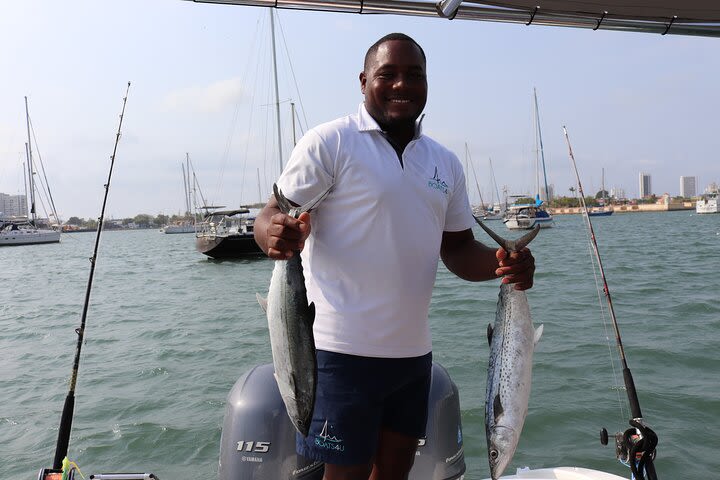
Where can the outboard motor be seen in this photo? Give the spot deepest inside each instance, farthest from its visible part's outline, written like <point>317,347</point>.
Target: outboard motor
<point>258,439</point>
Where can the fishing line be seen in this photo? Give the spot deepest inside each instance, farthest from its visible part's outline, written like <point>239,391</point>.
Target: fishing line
<point>63,439</point>
<point>636,446</point>
<point>616,384</point>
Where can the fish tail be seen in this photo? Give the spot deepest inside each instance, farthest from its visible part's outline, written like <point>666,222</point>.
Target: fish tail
<point>286,207</point>
<point>510,245</point>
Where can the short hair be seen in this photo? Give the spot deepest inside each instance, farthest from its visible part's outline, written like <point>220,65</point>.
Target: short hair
<point>390,36</point>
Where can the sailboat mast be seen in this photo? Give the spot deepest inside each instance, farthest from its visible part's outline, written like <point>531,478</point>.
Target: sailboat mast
<point>292,112</point>
<point>186,187</point>
<point>542,153</point>
<point>28,152</point>
<point>277,94</point>
<point>492,172</point>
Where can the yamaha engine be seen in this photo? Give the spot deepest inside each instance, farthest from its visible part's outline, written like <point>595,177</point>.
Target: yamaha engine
<point>258,439</point>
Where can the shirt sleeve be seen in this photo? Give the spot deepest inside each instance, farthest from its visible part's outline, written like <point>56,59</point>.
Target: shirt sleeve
<point>309,171</point>
<point>459,215</point>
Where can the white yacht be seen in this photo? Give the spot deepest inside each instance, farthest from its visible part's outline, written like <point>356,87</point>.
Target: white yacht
<point>708,204</point>
<point>24,232</point>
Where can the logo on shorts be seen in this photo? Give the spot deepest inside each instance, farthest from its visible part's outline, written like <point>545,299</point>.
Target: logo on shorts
<point>327,441</point>
<point>438,183</point>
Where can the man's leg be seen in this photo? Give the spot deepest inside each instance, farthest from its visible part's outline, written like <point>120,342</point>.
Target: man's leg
<point>395,456</point>
<point>347,472</point>
<point>393,461</point>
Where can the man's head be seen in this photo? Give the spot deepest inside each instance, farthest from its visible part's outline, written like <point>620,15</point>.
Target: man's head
<point>394,81</point>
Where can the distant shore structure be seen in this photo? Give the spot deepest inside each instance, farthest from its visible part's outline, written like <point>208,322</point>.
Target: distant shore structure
<point>688,187</point>
<point>666,204</point>
<point>645,185</point>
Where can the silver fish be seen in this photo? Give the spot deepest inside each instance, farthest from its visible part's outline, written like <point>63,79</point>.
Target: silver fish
<point>290,321</point>
<point>512,342</point>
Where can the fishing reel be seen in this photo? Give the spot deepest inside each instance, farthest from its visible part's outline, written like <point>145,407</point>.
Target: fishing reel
<point>635,448</point>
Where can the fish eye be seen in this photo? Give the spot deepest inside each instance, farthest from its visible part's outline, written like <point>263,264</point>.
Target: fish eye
<point>493,454</point>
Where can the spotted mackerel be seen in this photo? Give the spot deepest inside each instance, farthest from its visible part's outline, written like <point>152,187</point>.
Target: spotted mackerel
<point>290,321</point>
<point>512,342</point>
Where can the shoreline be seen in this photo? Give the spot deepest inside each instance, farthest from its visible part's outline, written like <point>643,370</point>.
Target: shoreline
<point>655,207</point>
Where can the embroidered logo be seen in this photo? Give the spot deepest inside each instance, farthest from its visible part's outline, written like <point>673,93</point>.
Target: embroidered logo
<point>437,183</point>
<point>327,441</point>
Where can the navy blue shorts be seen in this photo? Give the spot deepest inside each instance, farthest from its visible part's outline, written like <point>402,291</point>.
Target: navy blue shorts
<point>357,397</point>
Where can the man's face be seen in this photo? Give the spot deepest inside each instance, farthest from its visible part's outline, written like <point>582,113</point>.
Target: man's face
<point>394,84</point>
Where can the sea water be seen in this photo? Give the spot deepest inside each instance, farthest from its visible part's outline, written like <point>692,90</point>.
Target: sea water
<point>170,331</point>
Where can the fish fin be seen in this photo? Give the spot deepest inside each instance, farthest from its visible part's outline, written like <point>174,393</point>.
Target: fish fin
<point>538,334</point>
<point>497,407</point>
<point>262,301</point>
<point>490,333</point>
<point>510,245</point>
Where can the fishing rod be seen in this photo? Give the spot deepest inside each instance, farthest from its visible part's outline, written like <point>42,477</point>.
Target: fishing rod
<point>636,446</point>
<point>63,440</point>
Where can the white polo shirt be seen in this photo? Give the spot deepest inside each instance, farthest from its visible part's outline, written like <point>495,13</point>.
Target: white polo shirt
<point>371,259</point>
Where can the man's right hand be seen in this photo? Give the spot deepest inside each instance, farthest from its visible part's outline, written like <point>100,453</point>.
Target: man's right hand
<point>286,235</point>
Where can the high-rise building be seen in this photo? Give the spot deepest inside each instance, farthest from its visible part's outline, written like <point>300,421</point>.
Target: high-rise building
<point>688,186</point>
<point>645,185</point>
<point>549,195</point>
<point>12,205</point>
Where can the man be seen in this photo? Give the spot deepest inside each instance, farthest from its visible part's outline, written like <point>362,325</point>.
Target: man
<point>398,204</point>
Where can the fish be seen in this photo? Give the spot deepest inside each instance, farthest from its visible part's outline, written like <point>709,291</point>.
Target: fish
<point>512,340</point>
<point>290,322</point>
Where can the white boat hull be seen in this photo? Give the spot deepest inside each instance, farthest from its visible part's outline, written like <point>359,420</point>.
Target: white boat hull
<point>709,205</point>
<point>29,237</point>
<point>178,229</point>
<point>561,473</point>
<point>528,223</point>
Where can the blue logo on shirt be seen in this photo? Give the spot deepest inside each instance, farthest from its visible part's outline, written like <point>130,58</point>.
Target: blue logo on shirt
<point>327,441</point>
<point>437,183</point>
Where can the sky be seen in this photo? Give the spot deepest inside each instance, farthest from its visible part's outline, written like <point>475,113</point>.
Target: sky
<point>202,88</point>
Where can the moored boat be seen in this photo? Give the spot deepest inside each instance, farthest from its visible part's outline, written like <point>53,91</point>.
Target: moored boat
<point>527,215</point>
<point>227,234</point>
<point>708,204</point>
<point>180,227</point>
<point>26,231</point>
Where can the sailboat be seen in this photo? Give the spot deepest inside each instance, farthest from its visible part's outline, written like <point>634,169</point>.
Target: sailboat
<point>524,216</point>
<point>188,224</point>
<point>603,210</point>
<point>26,230</point>
<point>230,233</point>
<point>497,209</point>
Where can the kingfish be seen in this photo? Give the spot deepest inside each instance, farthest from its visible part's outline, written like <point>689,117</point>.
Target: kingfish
<point>290,322</point>
<point>512,341</point>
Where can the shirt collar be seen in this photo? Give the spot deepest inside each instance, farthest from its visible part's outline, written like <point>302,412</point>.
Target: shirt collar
<point>367,123</point>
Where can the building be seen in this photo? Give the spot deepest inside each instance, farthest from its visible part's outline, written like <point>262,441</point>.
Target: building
<point>688,187</point>
<point>645,185</point>
<point>618,193</point>
<point>549,195</point>
<point>12,205</point>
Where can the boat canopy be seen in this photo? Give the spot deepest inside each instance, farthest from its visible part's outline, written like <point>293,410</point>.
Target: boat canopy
<point>671,17</point>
